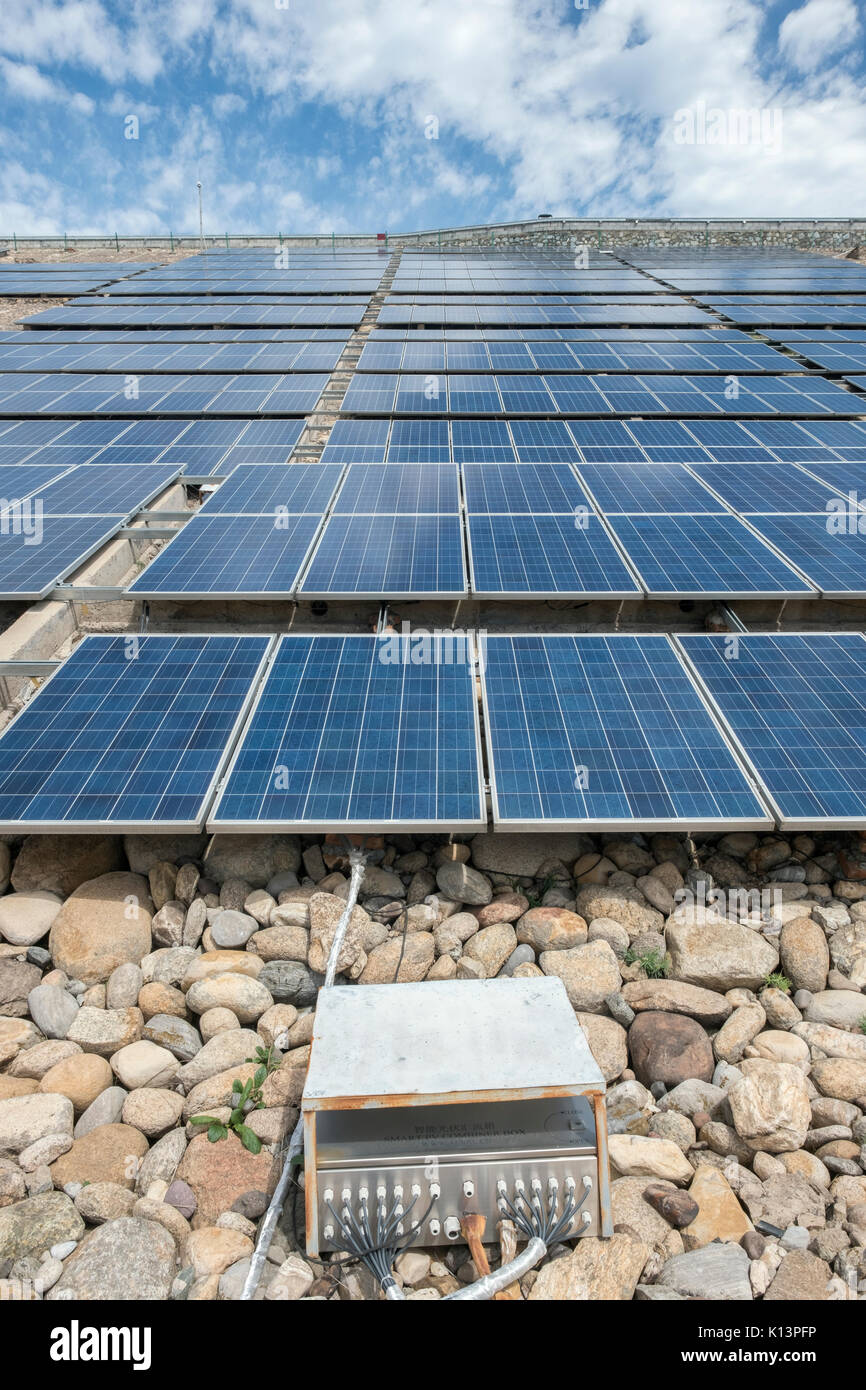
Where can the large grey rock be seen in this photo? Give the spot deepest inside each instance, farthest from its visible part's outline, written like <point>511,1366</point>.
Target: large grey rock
<point>166,1030</point>
<point>126,1259</point>
<point>105,1110</point>
<point>60,863</point>
<point>145,851</point>
<point>291,982</point>
<point>226,1050</point>
<point>718,1271</point>
<point>161,1160</point>
<point>24,1119</point>
<point>521,856</point>
<point>52,1009</point>
<point>105,1031</point>
<point>254,858</point>
<point>37,1223</point>
<point>692,1096</point>
<point>26,917</point>
<point>839,1008</point>
<point>463,884</point>
<point>231,929</point>
<point>719,955</point>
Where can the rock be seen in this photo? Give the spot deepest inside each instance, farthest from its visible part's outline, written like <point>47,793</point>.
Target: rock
<point>169,965</point>
<point>221,1173</point>
<point>805,955</point>
<point>125,1259</point>
<point>211,1249</point>
<point>719,1217</point>
<point>656,893</point>
<point>590,973</point>
<point>161,1161</point>
<point>281,942</point>
<point>418,955</point>
<point>692,1096</point>
<point>227,1049</point>
<point>463,884</point>
<point>774,1046</point>
<point>788,1201</point>
<point>124,986</point>
<point>82,1077</point>
<point>167,927</point>
<point>800,1276</point>
<point>247,998</point>
<point>44,1151</point>
<point>504,907</point>
<point>108,1154</point>
<point>607,1043</point>
<point>232,929</point>
<point>144,851</point>
<point>676,1208</point>
<point>181,1196</point>
<point>167,1216</point>
<point>152,1111</point>
<point>672,996</point>
<point>290,982</point>
<point>105,1110</point>
<point>719,955</point>
<point>770,1106</point>
<point>256,859</point>
<point>624,905</point>
<point>11,1086</point>
<point>161,878</point>
<point>593,868</point>
<point>326,910</point>
<point>491,947</point>
<point>194,923</point>
<point>59,864</point>
<point>847,950</point>
<point>669,1048</point>
<point>215,1021</point>
<point>216,1092</point>
<point>25,1119</point>
<point>838,1008</point>
<point>635,1155</point>
<point>143,1063</point>
<point>551,929</point>
<point>631,1211</point>
<point>26,918</point>
<point>293,1280</point>
<point>104,1031</point>
<point>104,923</point>
<point>835,1042</point>
<point>735,1035</point>
<point>594,1270</point>
<point>52,1010</point>
<point>35,1224</point>
<point>717,1271</point>
<point>781,1011</point>
<point>174,1035</point>
<point>840,1077</point>
<point>521,856</point>
<point>104,1201</point>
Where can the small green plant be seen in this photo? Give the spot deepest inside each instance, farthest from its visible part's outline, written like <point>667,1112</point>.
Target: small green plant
<point>654,963</point>
<point>247,1095</point>
<point>778,982</point>
<point>862,1024</point>
<point>535,899</point>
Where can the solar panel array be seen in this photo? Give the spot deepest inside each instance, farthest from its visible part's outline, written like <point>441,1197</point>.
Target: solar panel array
<point>520,426</point>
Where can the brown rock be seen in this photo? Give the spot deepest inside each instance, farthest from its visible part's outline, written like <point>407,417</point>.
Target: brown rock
<point>381,966</point>
<point>719,1215</point>
<point>109,1153</point>
<point>156,998</point>
<point>61,863</point>
<point>505,907</point>
<point>17,978</point>
<point>677,1208</point>
<point>805,955</point>
<point>800,1276</point>
<point>105,923</point>
<point>284,942</point>
<point>551,929</point>
<point>221,1173</point>
<point>670,1048</point>
<point>82,1077</point>
<point>595,1270</point>
<point>674,996</point>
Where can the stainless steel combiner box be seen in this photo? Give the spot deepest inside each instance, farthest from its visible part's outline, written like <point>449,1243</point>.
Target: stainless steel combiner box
<point>449,1098</point>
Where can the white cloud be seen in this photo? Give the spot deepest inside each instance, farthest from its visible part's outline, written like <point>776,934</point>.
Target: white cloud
<point>228,104</point>
<point>820,28</point>
<point>27,82</point>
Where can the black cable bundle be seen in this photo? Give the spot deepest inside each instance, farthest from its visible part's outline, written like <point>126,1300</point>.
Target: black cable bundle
<point>532,1219</point>
<point>380,1252</point>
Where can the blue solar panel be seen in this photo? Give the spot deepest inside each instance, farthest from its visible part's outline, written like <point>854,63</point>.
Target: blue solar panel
<point>764,487</point>
<point>646,487</point>
<point>417,441</point>
<point>261,489</point>
<point>796,704</point>
<point>703,556</point>
<point>346,733</point>
<point>30,568</point>
<point>600,732</point>
<point>387,557</point>
<point>357,441</point>
<point>131,732</point>
<point>546,556</point>
<point>521,487</point>
<point>828,547</point>
<point>230,557</point>
<point>93,491</point>
<point>390,487</point>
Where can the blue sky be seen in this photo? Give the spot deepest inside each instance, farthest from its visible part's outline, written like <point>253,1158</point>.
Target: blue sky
<point>373,115</point>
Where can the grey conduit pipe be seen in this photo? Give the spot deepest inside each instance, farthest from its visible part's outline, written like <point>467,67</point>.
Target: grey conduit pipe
<point>491,1284</point>
<point>358,864</point>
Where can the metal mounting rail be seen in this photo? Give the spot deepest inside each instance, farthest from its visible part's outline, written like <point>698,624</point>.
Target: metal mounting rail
<point>147,515</point>
<point>28,668</point>
<point>87,593</point>
<point>142,533</point>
